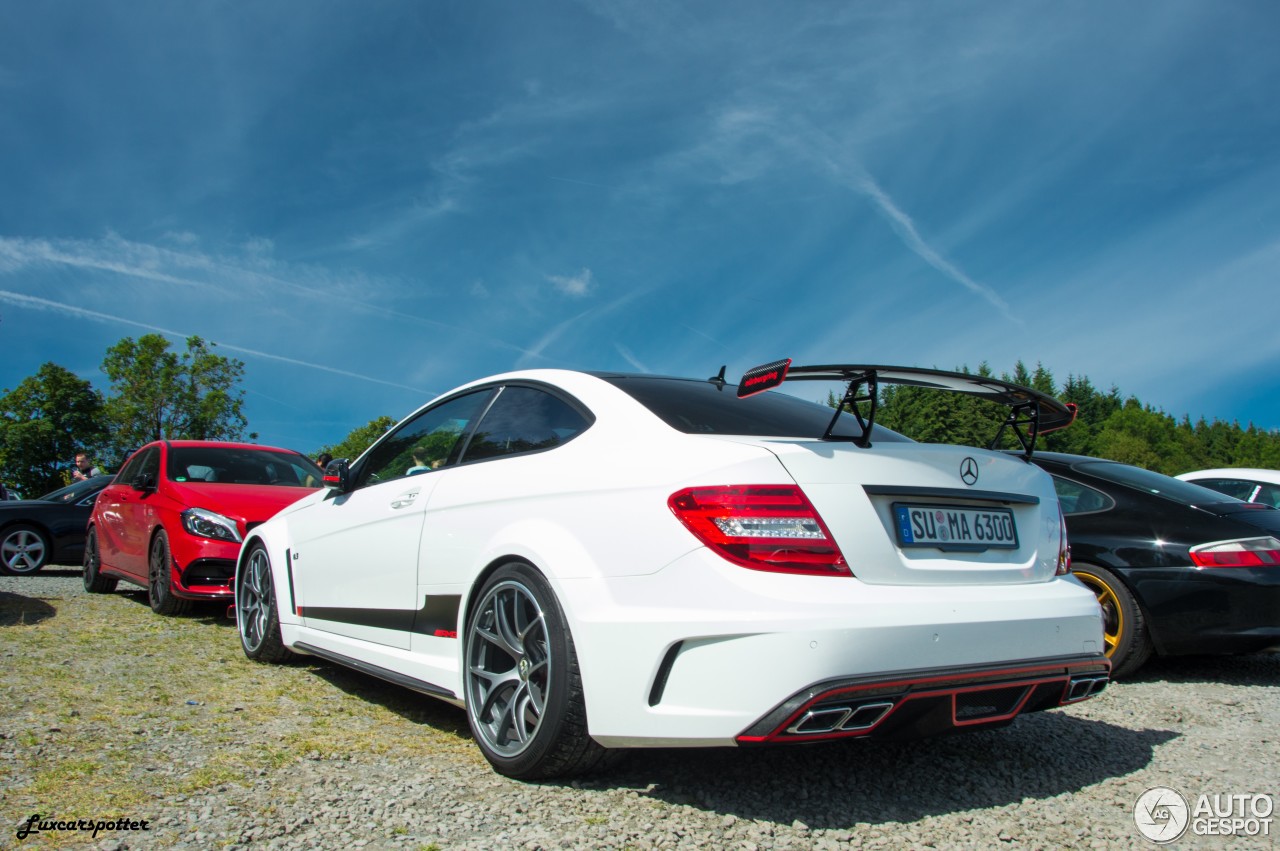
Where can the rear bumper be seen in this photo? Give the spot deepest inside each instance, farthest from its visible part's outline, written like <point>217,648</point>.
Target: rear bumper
<point>1209,610</point>
<point>701,652</point>
<point>912,704</point>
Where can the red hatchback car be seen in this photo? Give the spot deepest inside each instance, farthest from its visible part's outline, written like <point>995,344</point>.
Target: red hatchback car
<point>173,519</point>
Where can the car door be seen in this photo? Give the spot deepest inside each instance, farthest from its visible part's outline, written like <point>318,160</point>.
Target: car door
<point>123,533</point>
<point>507,473</point>
<point>355,555</point>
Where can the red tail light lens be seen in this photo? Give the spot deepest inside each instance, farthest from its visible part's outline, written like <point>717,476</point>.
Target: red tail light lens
<point>763,527</point>
<point>1247,552</point>
<point>1064,546</point>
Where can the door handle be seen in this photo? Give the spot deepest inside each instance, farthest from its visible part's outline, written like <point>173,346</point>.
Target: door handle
<point>404,500</point>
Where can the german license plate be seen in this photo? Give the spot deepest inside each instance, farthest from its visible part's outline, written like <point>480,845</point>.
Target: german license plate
<point>949,527</point>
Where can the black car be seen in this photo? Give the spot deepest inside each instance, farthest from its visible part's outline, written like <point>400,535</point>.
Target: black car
<point>1178,569</point>
<point>48,530</point>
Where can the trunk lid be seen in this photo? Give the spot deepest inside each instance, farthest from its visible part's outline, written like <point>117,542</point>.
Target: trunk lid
<point>928,514</point>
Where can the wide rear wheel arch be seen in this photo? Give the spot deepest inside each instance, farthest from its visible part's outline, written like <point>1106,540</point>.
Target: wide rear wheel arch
<point>1126,636</point>
<point>520,677</point>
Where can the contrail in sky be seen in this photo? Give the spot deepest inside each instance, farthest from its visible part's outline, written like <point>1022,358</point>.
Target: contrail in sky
<point>80,255</point>
<point>35,303</point>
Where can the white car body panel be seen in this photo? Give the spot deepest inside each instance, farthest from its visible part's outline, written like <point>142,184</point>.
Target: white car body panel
<point>592,516</point>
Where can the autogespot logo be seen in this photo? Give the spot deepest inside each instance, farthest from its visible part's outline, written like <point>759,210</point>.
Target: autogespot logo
<point>1164,814</point>
<point>1161,814</point>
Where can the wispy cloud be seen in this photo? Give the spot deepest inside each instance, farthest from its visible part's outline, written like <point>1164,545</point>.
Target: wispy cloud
<point>253,271</point>
<point>17,253</point>
<point>535,352</point>
<point>705,336</point>
<point>574,285</point>
<point>820,147</point>
<point>406,220</point>
<point>630,357</point>
<point>910,235</point>
<point>34,303</point>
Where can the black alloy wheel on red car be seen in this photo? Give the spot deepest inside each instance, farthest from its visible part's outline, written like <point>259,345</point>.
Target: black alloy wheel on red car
<point>159,590</point>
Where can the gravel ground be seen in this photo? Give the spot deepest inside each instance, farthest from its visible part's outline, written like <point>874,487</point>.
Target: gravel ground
<point>114,712</point>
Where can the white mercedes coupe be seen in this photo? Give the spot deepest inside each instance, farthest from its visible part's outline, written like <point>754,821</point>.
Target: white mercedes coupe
<point>596,561</point>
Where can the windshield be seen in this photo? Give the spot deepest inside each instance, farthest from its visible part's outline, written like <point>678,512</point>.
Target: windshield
<point>241,466</point>
<point>78,491</point>
<point>703,407</point>
<point>1153,483</point>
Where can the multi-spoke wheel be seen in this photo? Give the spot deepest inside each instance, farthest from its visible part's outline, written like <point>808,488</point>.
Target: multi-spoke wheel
<point>257,617</point>
<point>523,688</point>
<point>1124,631</point>
<point>94,581</point>
<point>159,588</point>
<point>23,550</point>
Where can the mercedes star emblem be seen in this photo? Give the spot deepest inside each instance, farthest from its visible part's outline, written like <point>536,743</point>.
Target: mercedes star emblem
<point>969,471</point>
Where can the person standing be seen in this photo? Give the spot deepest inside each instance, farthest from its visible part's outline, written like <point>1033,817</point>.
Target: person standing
<point>84,468</point>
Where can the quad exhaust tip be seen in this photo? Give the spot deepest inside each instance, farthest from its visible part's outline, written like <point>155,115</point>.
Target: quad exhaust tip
<point>831,719</point>
<point>1084,687</point>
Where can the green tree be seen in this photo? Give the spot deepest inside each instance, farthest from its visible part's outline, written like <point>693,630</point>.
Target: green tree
<point>44,422</point>
<point>158,394</point>
<point>1107,425</point>
<point>360,439</point>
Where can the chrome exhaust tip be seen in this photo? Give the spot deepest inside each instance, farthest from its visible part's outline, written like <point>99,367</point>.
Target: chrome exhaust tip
<point>867,716</point>
<point>840,719</point>
<point>1081,688</point>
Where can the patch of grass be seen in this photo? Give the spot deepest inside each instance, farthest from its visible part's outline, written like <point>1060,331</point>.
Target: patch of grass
<point>113,711</point>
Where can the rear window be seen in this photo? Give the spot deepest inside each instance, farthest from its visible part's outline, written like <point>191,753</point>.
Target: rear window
<point>704,407</point>
<point>1152,483</point>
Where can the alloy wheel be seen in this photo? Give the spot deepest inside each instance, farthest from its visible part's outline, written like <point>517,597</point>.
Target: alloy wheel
<point>509,667</point>
<point>1112,614</point>
<point>253,601</point>
<point>23,551</point>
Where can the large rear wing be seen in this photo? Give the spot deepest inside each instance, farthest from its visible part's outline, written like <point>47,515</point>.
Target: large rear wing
<point>1031,413</point>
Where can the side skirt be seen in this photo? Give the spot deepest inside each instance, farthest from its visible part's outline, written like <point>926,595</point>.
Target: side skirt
<point>381,673</point>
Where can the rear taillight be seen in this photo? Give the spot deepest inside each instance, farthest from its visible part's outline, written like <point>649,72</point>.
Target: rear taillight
<point>763,527</point>
<point>1064,546</point>
<point>1247,552</point>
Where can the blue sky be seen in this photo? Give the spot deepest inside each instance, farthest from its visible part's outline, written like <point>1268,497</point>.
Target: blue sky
<point>370,203</point>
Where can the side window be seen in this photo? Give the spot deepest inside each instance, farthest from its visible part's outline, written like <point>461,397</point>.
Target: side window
<point>1268,495</point>
<point>150,465</point>
<point>524,419</point>
<point>1231,487</point>
<point>1075,498</point>
<point>424,443</point>
<point>130,469</point>
<point>142,463</point>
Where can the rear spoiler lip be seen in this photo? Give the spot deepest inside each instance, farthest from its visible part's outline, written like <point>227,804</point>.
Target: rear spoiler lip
<point>1039,412</point>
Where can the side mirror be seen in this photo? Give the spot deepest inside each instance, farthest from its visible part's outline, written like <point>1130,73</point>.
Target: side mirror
<point>337,476</point>
<point>144,482</point>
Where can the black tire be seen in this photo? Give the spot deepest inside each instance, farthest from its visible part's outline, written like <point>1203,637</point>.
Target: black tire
<point>1124,626</point>
<point>257,616</point>
<point>521,681</point>
<point>94,581</point>
<point>24,549</point>
<point>159,590</point>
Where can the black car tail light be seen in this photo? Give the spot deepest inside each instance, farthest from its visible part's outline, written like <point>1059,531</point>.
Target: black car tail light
<point>1246,552</point>
<point>763,527</point>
